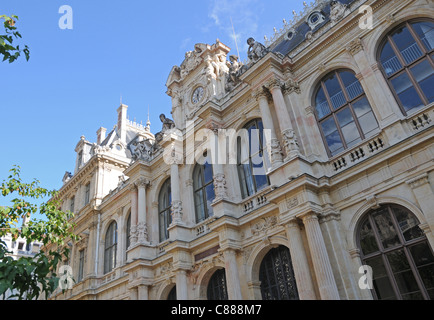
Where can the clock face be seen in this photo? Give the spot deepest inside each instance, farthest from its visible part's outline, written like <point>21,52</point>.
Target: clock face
<point>197,95</point>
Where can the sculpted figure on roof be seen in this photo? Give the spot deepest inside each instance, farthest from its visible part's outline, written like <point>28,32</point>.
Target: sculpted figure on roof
<point>256,50</point>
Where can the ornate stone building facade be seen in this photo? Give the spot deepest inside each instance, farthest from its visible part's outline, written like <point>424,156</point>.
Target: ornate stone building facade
<point>341,181</point>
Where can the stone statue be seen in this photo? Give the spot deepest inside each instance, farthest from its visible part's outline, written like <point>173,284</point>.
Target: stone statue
<point>233,77</point>
<point>256,50</point>
<point>168,124</point>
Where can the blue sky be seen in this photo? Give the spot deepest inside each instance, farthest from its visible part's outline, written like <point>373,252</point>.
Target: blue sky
<point>73,81</point>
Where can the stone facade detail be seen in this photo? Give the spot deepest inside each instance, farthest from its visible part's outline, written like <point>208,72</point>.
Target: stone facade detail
<point>292,197</point>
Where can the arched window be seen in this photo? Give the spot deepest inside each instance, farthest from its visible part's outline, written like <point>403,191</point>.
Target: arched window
<point>203,189</point>
<point>164,210</point>
<point>217,288</point>
<point>251,162</point>
<point>110,248</point>
<point>407,59</point>
<point>397,250</point>
<point>277,276</point>
<point>343,112</point>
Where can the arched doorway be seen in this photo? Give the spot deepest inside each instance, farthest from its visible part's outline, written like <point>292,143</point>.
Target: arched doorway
<point>217,288</point>
<point>277,276</point>
<point>397,250</point>
<point>172,294</point>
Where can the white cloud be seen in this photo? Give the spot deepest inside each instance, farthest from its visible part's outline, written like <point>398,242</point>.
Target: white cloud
<point>245,15</point>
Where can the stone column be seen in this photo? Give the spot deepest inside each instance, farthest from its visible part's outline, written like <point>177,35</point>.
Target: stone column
<point>357,263</point>
<point>299,262</point>
<point>181,285</point>
<point>288,134</point>
<point>142,292</point>
<point>273,146</point>
<point>133,293</point>
<point>142,229</point>
<point>176,198</point>
<point>232,276</point>
<point>372,80</point>
<point>423,192</point>
<point>134,214</point>
<point>320,259</point>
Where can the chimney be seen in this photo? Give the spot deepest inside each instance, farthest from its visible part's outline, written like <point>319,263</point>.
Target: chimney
<point>101,135</point>
<point>122,122</point>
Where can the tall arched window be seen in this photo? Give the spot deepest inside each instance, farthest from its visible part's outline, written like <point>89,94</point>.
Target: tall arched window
<point>398,252</point>
<point>164,210</point>
<point>407,60</point>
<point>203,189</point>
<point>251,162</point>
<point>110,247</point>
<point>343,112</point>
<point>217,288</point>
<point>277,276</point>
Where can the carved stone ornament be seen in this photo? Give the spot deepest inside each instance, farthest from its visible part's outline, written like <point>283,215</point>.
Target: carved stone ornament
<point>290,141</point>
<point>220,186</point>
<point>192,60</point>
<point>291,86</point>
<point>338,10</point>
<point>142,232</point>
<point>264,225</point>
<point>355,46</point>
<point>176,211</point>
<point>276,152</point>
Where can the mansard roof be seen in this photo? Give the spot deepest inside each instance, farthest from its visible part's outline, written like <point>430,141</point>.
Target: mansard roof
<point>301,30</point>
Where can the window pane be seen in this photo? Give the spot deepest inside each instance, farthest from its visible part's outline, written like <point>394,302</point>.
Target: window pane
<point>322,106</point>
<point>199,205</point>
<point>424,260</point>
<point>406,92</point>
<point>348,126</point>
<point>369,124</point>
<point>385,228</point>
<point>408,224</point>
<point>424,75</point>
<point>410,51</point>
<point>335,91</point>
<point>352,85</point>
<point>425,30</point>
<point>208,174</point>
<point>368,242</point>
<point>210,196</point>
<point>381,281</point>
<point>404,276</point>
<point>389,60</point>
<point>332,136</point>
<point>247,170</point>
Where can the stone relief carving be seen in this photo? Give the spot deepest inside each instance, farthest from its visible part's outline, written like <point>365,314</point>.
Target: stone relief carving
<point>264,225</point>
<point>290,141</point>
<point>338,11</point>
<point>220,186</point>
<point>141,149</point>
<point>192,60</point>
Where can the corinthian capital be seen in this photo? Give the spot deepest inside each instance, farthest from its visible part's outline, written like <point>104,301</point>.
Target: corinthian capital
<point>143,183</point>
<point>274,83</point>
<point>260,93</point>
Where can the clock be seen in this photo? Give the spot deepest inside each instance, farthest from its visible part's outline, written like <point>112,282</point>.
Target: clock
<point>197,95</point>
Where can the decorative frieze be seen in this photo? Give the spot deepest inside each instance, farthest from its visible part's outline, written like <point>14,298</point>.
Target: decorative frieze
<point>264,225</point>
